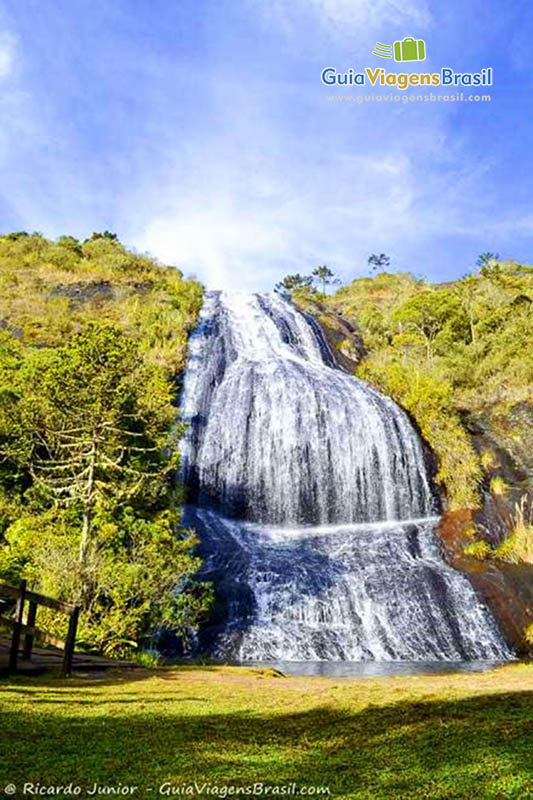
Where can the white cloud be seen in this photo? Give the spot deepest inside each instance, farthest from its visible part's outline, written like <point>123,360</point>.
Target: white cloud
<point>347,19</point>
<point>7,53</point>
<point>219,248</point>
<point>247,239</point>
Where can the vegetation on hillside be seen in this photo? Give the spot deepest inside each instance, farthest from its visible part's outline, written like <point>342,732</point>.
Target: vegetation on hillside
<point>445,352</point>
<point>93,337</point>
<point>48,290</point>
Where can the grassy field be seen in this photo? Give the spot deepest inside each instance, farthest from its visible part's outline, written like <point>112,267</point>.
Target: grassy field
<point>447,736</point>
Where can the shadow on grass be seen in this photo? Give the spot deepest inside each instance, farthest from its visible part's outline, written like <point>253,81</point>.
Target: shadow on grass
<point>470,748</point>
<point>52,678</point>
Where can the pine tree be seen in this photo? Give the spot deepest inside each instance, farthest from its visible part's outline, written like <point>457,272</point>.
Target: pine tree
<point>89,424</point>
<point>325,277</point>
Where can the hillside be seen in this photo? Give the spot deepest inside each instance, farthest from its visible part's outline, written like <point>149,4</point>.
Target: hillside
<point>93,340</point>
<point>49,290</point>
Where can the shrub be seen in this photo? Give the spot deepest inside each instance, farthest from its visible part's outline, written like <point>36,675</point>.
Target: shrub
<point>428,398</point>
<point>528,634</point>
<point>481,550</point>
<point>518,545</point>
<point>498,486</point>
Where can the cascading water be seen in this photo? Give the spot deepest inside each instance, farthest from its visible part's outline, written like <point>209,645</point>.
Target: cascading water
<point>310,494</point>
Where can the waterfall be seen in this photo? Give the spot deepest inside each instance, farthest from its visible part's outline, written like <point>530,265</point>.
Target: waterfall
<point>310,494</point>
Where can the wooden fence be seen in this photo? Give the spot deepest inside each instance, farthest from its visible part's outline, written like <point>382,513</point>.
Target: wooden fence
<point>23,622</point>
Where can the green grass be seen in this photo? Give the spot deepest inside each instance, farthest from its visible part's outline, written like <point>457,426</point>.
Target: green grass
<point>448,736</point>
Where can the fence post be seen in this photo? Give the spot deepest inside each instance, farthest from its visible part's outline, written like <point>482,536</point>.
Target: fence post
<point>17,628</point>
<point>69,643</point>
<point>30,622</point>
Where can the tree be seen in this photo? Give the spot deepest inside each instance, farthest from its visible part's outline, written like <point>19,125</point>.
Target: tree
<point>136,584</point>
<point>89,424</point>
<point>491,268</point>
<point>325,277</point>
<point>17,235</point>
<point>487,259</point>
<point>378,263</point>
<point>296,281</point>
<point>70,243</point>
<point>64,384</point>
<point>111,237</point>
<point>430,314</point>
<point>467,291</point>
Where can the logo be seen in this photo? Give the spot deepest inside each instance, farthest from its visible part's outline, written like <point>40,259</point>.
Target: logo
<point>382,50</point>
<point>407,49</point>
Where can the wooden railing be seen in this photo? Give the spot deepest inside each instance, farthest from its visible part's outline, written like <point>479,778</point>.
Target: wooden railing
<point>24,623</point>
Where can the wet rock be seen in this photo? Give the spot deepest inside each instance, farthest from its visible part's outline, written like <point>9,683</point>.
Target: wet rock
<point>507,589</point>
<point>342,335</point>
<point>504,443</point>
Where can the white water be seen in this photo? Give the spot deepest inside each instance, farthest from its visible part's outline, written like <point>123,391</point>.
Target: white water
<point>310,492</point>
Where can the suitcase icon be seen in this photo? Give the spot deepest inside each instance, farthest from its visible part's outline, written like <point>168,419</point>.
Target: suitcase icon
<point>410,50</point>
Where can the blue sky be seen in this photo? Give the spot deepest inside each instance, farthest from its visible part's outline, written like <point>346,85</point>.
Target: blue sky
<point>199,131</point>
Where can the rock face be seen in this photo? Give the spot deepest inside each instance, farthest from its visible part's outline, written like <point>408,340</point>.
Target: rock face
<point>504,442</point>
<point>98,292</point>
<point>506,588</point>
<point>505,445</point>
<point>85,292</point>
<point>512,433</point>
<point>341,334</point>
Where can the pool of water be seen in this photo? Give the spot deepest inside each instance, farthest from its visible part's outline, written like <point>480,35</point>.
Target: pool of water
<point>373,669</point>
